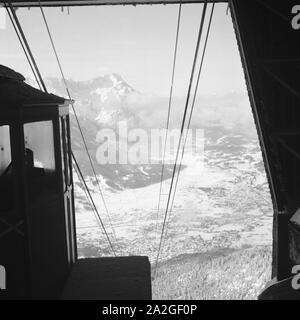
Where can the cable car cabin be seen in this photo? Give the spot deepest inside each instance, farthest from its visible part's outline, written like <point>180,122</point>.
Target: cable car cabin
<point>37,222</point>
<point>37,232</point>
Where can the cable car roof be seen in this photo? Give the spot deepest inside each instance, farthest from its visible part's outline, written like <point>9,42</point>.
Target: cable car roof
<point>13,90</point>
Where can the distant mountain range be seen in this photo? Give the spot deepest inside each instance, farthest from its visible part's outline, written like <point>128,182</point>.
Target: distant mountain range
<point>95,97</point>
<point>102,103</point>
<point>105,101</point>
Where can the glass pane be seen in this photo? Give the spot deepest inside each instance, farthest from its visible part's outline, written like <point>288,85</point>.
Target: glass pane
<point>5,153</point>
<point>39,139</point>
<point>40,158</point>
<point>65,151</point>
<point>6,180</point>
<point>62,153</point>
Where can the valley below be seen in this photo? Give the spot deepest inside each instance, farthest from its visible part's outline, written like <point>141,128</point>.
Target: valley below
<point>221,223</point>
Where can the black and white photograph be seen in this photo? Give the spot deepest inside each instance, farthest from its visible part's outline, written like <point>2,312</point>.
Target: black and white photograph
<point>149,154</point>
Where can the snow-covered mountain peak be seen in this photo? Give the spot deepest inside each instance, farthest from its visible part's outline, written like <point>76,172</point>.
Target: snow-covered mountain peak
<point>115,89</point>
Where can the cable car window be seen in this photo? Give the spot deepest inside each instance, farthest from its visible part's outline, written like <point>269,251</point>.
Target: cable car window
<point>67,151</point>
<point>62,155</point>
<point>40,157</point>
<point>6,181</point>
<point>5,153</point>
<point>65,146</point>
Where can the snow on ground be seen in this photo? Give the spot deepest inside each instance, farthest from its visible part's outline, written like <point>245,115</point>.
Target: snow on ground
<point>214,207</point>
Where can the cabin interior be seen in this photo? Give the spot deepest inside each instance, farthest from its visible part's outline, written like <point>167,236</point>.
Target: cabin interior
<point>37,216</point>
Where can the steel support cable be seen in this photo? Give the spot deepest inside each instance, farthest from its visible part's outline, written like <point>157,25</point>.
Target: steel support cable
<point>25,46</point>
<point>92,200</point>
<point>85,191</point>
<point>22,45</point>
<point>181,130</point>
<point>169,111</point>
<point>192,107</point>
<point>76,117</point>
<point>88,199</point>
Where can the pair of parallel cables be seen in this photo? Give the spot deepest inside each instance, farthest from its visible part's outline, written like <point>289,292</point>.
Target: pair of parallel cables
<point>182,140</point>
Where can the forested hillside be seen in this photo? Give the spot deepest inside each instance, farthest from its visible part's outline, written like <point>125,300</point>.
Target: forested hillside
<point>223,274</point>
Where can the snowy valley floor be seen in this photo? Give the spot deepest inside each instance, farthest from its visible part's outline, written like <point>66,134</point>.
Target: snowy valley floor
<point>218,239</point>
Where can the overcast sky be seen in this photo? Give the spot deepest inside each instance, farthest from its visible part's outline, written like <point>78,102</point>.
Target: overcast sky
<point>135,42</point>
